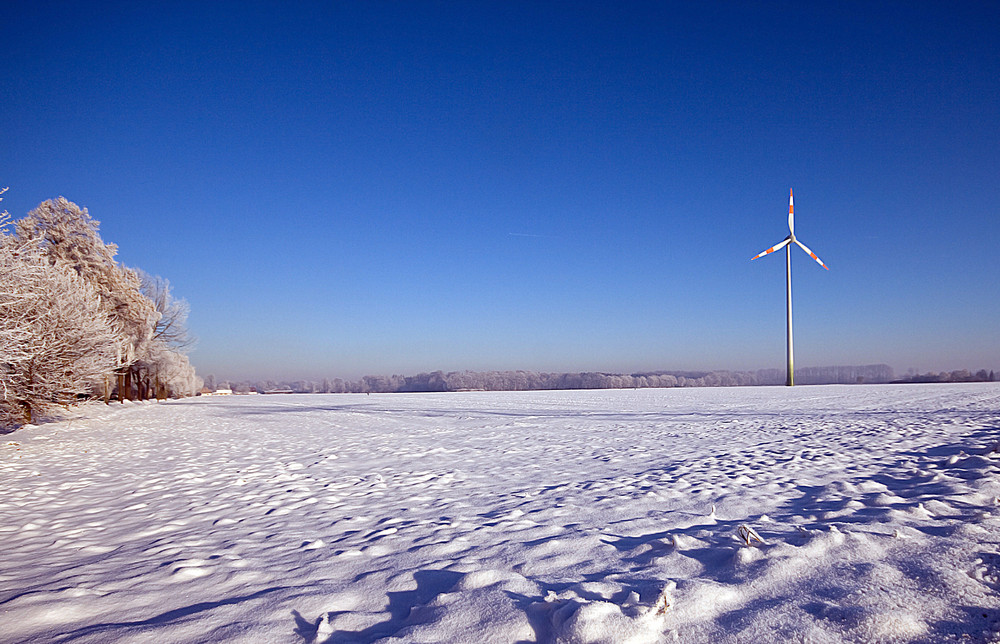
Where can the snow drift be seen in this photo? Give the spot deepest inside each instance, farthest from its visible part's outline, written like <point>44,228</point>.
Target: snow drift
<point>597,516</point>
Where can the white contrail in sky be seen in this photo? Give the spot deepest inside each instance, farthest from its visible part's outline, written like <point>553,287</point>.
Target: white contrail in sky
<point>532,235</point>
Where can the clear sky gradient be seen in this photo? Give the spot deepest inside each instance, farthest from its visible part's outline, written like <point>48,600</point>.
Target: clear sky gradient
<point>349,188</point>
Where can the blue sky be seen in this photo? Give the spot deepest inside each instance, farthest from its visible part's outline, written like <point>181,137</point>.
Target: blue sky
<point>349,188</point>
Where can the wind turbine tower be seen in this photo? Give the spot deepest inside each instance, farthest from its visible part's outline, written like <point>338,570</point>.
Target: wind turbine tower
<point>787,244</point>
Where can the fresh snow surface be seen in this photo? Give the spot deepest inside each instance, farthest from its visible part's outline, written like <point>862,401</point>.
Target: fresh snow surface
<point>586,516</point>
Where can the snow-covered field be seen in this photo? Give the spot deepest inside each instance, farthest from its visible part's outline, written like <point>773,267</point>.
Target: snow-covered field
<point>596,516</point>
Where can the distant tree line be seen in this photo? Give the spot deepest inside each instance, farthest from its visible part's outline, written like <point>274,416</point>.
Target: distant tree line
<point>962,375</point>
<point>874,373</point>
<point>74,323</point>
<point>533,380</point>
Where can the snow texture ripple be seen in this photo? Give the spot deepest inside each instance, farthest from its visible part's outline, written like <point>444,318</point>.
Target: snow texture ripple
<point>813,514</point>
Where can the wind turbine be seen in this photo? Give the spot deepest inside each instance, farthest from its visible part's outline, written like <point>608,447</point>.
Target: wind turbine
<point>787,244</point>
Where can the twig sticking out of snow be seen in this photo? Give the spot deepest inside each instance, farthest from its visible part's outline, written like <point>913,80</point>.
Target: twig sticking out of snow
<point>663,601</point>
<point>748,535</point>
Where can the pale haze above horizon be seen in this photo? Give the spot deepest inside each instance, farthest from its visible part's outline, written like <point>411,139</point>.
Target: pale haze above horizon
<point>351,188</point>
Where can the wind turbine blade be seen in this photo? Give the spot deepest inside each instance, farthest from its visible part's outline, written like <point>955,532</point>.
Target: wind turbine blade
<point>773,248</point>
<point>812,254</point>
<point>791,213</point>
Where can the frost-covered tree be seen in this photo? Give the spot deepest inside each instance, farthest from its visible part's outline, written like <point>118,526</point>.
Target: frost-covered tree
<point>171,325</point>
<point>56,337</point>
<point>162,366</point>
<point>69,237</point>
<point>71,316</point>
<point>166,373</point>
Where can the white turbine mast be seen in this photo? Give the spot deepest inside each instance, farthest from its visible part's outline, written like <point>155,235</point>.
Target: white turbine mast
<point>787,244</point>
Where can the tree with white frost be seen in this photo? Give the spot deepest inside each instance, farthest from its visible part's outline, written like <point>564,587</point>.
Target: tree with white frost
<point>56,338</point>
<point>171,325</point>
<point>71,316</point>
<point>69,237</point>
<point>163,368</point>
<point>167,373</point>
